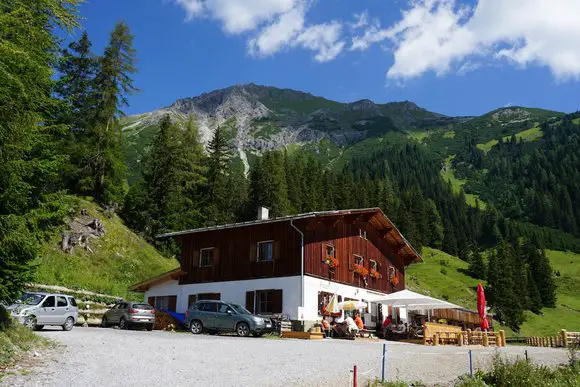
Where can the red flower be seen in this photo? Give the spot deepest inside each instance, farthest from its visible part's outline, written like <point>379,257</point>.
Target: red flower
<point>375,274</point>
<point>360,270</point>
<point>331,261</point>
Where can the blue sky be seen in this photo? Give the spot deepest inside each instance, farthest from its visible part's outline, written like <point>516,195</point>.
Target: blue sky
<point>449,56</point>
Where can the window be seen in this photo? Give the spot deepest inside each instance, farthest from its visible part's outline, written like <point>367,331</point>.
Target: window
<point>362,234</point>
<point>265,251</point>
<point>161,303</point>
<point>61,301</point>
<point>330,252</point>
<point>209,296</point>
<point>72,301</point>
<point>224,308</point>
<point>206,257</point>
<point>374,265</point>
<point>269,301</point>
<point>49,302</point>
<point>209,307</point>
<point>358,260</point>
<point>264,302</point>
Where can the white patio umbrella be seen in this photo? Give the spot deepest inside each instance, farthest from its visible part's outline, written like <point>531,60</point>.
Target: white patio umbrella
<point>414,301</point>
<point>351,305</point>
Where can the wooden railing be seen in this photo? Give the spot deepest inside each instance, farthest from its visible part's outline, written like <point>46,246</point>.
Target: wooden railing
<point>564,339</point>
<point>440,334</point>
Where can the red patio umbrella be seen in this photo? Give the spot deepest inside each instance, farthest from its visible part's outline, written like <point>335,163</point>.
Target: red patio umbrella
<point>481,307</point>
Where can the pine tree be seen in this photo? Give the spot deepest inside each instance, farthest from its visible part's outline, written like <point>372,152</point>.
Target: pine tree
<point>541,273</point>
<point>477,268</point>
<point>217,180</point>
<point>77,68</point>
<point>268,185</point>
<point>113,84</point>
<point>30,207</point>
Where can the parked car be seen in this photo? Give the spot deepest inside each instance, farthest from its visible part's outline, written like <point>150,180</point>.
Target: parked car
<point>216,316</point>
<point>128,314</point>
<point>36,310</point>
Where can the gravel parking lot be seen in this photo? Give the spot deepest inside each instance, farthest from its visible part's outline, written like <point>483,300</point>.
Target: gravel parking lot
<point>111,357</point>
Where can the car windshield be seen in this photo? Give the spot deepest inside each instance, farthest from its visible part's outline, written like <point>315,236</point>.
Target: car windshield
<point>240,309</point>
<point>30,299</point>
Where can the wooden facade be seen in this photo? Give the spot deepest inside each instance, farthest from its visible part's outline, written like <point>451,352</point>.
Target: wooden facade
<point>365,234</point>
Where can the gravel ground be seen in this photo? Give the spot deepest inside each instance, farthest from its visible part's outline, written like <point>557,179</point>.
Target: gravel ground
<point>110,357</point>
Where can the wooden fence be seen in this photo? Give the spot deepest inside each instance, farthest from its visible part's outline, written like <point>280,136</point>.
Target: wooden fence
<point>438,334</point>
<point>564,339</point>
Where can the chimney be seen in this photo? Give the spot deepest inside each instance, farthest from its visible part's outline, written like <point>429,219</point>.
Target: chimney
<point>263,213</point>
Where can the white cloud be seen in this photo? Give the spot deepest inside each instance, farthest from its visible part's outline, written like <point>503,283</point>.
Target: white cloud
<point>362,20</point>
<point>443,36</point>
<point>322,38</point>
<point>275,25</point>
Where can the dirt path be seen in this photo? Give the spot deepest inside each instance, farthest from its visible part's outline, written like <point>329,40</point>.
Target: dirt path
<point>97,357</point>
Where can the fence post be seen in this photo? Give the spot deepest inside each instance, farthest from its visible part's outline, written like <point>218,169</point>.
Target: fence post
<point>436,339</point>
<point>485,339</point>
<point>383,372</point>
<point>502,338</point>
<point>564,338</point>
<point>354,376</point>
<point>470,365</point>
<point>526,352</point>
<point>460,339</point>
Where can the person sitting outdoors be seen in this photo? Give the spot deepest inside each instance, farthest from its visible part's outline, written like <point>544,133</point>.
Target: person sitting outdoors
<point>351,325</point>
<point>387,326</point>
<point>358,321</point>
<point>325,328</point>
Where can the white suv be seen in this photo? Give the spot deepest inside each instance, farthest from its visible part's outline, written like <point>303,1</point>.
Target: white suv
<point>35,310</point>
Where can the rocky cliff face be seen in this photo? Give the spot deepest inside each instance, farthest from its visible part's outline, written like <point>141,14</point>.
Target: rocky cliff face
<point>260,118</point>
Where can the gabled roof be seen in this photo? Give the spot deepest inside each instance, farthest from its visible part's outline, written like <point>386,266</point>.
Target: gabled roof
<point>145,285</point>
<point>378,219</point>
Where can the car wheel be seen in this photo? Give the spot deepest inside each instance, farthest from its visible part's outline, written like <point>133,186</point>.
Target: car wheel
<point>256,334</point>
<point>68,324</point>
<point>150,327</point>
<point>123,324</point>
<point>196,327</point>
<point>243,329</point>
<point>104,322</point>
<point>30,322</point>
<point>38,327</point>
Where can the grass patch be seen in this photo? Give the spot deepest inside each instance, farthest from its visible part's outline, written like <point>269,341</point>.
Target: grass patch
<point>119,259</point>
<point>486,147</point>
<point>576,121</point>
<point>448,174</point>
<point>15,340</point>
<point>531,134</point>
<point>443,276</point>
<point>419,136</point>
<point>449,134</point>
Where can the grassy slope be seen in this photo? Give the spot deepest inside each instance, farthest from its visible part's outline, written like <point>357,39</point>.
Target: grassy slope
<point>120,258</point>
<point>526,135</point>
<point>15,339</point>
<point>459,288</point>
<point>457,184</point>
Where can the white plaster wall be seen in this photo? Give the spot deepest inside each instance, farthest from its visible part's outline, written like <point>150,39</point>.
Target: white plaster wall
<point>234,291</point>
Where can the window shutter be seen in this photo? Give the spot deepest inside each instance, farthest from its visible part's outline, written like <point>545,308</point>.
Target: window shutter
<point>276,251</point>
<point>351,262</point>
<point>195,261</point>
<point>216,256</point>
<point>191,299</point>
<point>253,252</point>
<point>276,300</point>
<point>172,303</point>
<point>151,301</point>
<point>250,301</point>
<point>323,253</point>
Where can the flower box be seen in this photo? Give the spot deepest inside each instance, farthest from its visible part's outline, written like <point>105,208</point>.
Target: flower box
<point>331,261</point>
<point>375,274</point>
<point>360,270</point>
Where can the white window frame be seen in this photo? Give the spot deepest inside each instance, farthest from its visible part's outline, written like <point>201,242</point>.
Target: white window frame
<point>258,251</point>
<point>362,259</point>
<point>373,264</point>
<point>201,256</point>
<point>333,250</point>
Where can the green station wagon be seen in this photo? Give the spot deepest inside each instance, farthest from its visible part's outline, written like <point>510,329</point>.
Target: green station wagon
<point>216,316</point>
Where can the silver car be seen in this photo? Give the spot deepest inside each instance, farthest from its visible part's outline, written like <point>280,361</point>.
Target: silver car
<point>35,310</point>
<point>128,314</point>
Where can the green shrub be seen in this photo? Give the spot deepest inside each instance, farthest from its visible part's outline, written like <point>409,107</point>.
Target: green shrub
<point>14,339</point>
